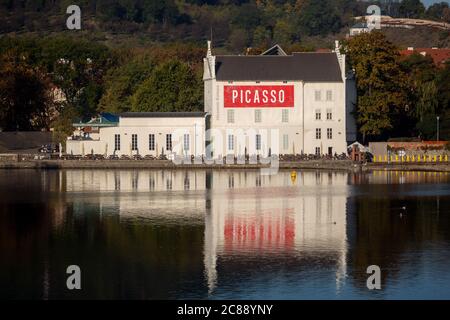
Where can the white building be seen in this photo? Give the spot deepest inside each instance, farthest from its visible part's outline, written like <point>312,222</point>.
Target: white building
<point>146,133</point>
<point>276,104</point>
<point>360,27</point>
<point>254,105</point>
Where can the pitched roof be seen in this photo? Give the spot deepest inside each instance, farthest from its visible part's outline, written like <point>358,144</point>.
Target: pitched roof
<point>360,25</point>
<point>439,56</point>
<point>308,66</point>
<point>163,114</point>
<point>104,119</point>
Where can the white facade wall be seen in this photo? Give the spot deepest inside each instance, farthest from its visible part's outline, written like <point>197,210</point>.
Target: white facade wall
<point>194,127</point>
<point>84,147</point>
<point>300,128</point>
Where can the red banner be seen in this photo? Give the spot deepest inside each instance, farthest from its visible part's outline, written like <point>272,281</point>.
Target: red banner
<point>259,96</point>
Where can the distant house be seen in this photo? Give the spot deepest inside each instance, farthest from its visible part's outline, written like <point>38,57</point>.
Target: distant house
<point>439,56</point>
<point>357,145</point>
<point>360,27</point>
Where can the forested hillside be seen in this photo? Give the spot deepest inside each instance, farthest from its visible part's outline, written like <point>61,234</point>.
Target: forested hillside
<point>234,24</point>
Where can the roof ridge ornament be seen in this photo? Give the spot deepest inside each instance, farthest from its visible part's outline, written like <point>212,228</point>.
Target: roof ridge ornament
<point>209,52</point>
<point>275,50</point>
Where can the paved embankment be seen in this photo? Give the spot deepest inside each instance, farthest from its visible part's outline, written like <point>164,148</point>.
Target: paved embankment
<point>164,164</point>
<point>440,167</point>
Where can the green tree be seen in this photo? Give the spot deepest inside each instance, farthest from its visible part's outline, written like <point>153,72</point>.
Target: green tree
<point>437,10</point>
<point>156,11</point>
<point>446,15</point>
<point>77,68</point>
<point>238,40</point>
<point>284,33</point>
<point>261,37</point>
<point>25,103</point>
<point>319,17</point>
<point>381,84</point>
<point>172,86</point>
<point>419,68</point>
<point>423,93</point>
<point>247,17</point>
<point>443,86</point>
<point>62,125</point>
<point>427,126</point>
<point>428,100</point>
<point>122,82</point>
<point>412,9</point>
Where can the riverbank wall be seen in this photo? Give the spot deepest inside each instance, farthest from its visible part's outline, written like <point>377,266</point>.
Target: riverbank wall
<point>345,165</point>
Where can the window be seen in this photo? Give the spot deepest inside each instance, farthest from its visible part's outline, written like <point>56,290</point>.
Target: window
<point>317,95</point>
<point>318,115</point>
<point>258,142</point>
<point>329,95</point>
<point>285,141</point>
<point>285,115</point>
<point>329,114</point>
<point>230,142</point>
<point>186,142</point>
<point>117,142</point>
<point>151,142</point>
<point>317,151</point>
<point>230,116</point>
<point>134,145</point>
<point>257,115</point>
<point>330,133</point>
<point>318,133</point>
<point>168,142</point>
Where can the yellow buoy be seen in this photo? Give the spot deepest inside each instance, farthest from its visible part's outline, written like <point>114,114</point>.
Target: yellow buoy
<point>293,176</point>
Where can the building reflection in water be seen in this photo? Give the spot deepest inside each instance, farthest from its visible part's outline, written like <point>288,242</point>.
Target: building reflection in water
<point>245,214</point>
<point>143,193</point>
<point>230,234</point>
<point>278,216</point>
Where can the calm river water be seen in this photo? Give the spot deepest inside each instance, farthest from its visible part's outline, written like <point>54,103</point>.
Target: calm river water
<point>143,234</point>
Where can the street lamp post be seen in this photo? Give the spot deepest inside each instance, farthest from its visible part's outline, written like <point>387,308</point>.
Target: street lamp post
<point>437,126</point>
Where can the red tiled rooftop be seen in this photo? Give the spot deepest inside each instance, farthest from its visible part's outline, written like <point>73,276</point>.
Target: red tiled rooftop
<point>439,56</point>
